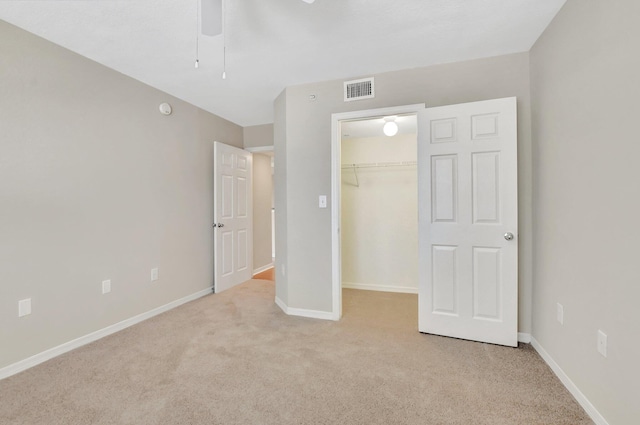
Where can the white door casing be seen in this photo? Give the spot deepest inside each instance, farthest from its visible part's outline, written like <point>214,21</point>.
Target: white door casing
<point>233,235</point>
<point>467,171</point>
<point>336,170</point>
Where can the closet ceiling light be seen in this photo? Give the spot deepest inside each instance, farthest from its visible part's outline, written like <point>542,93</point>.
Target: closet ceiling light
<point>390,128</point>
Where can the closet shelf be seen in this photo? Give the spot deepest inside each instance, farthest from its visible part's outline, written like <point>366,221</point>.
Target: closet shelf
<point>379,164</point>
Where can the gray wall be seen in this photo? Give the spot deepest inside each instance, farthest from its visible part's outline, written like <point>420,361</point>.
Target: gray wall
<point>307,143</point>
<point>95,184</point>
<point>258,136</point>
<point>280,183</point>
<point>585,86</point>
<point>262,203</point>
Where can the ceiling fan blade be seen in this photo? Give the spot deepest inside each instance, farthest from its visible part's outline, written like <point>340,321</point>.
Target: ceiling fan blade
<point>211,17</point>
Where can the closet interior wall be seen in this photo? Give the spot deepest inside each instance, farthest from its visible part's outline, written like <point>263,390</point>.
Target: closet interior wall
<point>379,211</point>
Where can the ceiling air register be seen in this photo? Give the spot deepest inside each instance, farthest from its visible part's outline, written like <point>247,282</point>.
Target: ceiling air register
<point>359,89</point>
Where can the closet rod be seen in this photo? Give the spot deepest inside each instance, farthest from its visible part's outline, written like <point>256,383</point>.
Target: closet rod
<point>380,164</point>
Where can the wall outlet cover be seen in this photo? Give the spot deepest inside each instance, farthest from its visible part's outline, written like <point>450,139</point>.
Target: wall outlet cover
<point>560,313</point>
<point>154,275</point>
<point>602,343</point>
<point>24,307</point>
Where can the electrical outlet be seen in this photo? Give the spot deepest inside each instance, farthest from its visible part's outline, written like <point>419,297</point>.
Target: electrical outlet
<point>154,275</point>
<point>602,343</point>
<point>560,313</point>
<point>106,286</point>
<point>24,307</point>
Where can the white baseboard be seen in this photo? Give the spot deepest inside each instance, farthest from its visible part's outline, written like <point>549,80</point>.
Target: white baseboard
<point>381,288</point>
<point>524,337</point>
<point>568,383</point>
<point>263,268</point>
<point>35,360</point>
<point>282,305</point>
<point>313,314</point>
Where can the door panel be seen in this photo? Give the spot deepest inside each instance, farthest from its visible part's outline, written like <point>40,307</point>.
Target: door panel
<point>233,216</point>
<point>444,280</point>
<point>444,180</point>
<point>467,164</point>
<point>242,163</point>
<point>226,252</point>
<point>443,131</point>
<point>486,285</point>
<point>484,126</point>
<point>243,197</point>
<point>486,187</point>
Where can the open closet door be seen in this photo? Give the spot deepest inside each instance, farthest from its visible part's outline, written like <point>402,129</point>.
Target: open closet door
<point>233,236</point>
<point>468,221</point>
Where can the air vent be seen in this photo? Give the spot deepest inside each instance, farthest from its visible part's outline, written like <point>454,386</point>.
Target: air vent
<point>359,89</point>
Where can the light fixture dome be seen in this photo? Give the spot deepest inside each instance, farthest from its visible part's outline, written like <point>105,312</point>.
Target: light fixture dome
<point>390,128</point>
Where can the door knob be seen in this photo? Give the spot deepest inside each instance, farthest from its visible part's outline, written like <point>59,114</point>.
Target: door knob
<point>220,225</point>
<point>508,236</point>
<point>215,225</point>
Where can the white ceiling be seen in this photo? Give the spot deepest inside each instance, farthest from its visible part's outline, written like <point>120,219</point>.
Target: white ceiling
<point>272,44</point>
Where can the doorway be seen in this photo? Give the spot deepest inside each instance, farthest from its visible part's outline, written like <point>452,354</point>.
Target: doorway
<point>379,204</point>
<point>263,212</point>
<point>336,191</point>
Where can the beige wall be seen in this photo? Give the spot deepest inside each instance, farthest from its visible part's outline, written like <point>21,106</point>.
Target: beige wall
<point>262,203</point>
<point>307,143</point>
<point>95,184</point>
<point>280,195</point>
<point>585,86</point>
<point>258,136</point>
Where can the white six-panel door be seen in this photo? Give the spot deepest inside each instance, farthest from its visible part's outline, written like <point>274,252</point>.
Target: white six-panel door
<point>468,221</point>
<point>233,236</point>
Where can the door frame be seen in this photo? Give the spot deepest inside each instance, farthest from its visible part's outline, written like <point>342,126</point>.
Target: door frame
<point>336,172</point>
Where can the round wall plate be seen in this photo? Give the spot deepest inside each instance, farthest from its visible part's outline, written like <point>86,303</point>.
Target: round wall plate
<point>165,109</point>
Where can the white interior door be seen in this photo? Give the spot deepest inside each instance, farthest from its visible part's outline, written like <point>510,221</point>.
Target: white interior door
<point>233,236</point>
<point>468,221</point>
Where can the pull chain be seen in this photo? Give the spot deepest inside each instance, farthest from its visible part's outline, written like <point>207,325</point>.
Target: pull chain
<point>224,40</point>
<point>197,64</point>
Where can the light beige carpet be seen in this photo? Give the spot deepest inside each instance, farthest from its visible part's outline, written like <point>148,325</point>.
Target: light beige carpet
<point>236,358</point>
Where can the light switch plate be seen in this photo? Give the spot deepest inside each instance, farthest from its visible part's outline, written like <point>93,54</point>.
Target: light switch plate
<point>154,275</point>
<point>322,201</point>
<point>106,286</point>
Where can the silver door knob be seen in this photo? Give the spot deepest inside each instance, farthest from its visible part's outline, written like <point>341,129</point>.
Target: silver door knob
<point>220,225</point>
<point>215,225</point>
<point>508,236</point>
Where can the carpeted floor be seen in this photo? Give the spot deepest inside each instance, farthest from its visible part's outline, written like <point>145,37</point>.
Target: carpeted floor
<point>236,358</point>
